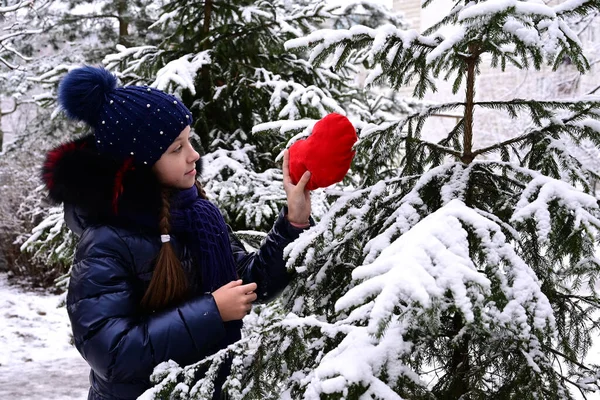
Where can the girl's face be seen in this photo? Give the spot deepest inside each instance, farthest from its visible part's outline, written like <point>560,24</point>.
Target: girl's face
<point>176,168</point>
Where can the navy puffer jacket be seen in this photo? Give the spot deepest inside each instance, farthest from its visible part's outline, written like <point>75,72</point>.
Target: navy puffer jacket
<point>112,269</point>
<point>113,266</point>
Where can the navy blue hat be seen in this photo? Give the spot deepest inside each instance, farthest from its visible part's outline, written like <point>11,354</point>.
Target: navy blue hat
<point>132,121</point>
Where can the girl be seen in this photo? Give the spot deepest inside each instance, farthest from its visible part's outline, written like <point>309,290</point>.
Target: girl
<point>157,274</point>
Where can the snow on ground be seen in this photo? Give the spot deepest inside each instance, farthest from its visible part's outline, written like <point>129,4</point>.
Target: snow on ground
<point>36,359</point>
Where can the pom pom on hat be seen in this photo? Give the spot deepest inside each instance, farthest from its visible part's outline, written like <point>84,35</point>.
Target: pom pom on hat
<point>131,122</point>
<point>83,90</point>
<point>326,153</point>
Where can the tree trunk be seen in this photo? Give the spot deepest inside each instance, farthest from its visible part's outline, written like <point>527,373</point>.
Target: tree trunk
<point>123,23</point>
<point>468,156</point>
<point>1,118</point>
<point>459,364</point>
<point>205,72</point>
<point>204,80</point>
<point>207,17</point>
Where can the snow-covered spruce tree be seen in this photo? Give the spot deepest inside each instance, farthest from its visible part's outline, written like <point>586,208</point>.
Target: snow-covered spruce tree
<point>471,272</point>
<point>228,62</point>
<point>107,23</point>
<point>229,170</point>
<point>23,23</point>
<point>20,23</point>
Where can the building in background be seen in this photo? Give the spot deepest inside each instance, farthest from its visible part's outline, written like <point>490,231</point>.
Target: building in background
<point>494,84</point>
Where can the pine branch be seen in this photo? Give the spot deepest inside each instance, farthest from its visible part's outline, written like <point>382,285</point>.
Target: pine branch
<point>8,64</point>
<point>77,18</point>
<point>16,105</point>
<point>20,33</point>
<point>505,143</point>
<point>21,4</point>
<point>565,357</point>
<point>531,134</point>
<point>436,146</point>
<point>590,300</point>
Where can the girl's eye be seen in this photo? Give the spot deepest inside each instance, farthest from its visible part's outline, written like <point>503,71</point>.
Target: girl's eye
<point>178,149</point>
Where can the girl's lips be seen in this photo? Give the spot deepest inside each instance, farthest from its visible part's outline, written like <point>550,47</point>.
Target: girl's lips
<point>192,172</point>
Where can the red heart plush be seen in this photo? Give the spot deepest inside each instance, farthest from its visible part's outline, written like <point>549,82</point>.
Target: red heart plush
<point>326,153</point>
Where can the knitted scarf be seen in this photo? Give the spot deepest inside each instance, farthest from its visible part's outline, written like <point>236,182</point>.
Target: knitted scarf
<point>207,236</point>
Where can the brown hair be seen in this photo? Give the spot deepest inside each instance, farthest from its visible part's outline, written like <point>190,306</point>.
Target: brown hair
<point>168,284</point>
<point>201,191</point>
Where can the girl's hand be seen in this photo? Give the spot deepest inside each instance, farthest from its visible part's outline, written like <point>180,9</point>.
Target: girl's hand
<point>298,198</point>
<point>234,300</point>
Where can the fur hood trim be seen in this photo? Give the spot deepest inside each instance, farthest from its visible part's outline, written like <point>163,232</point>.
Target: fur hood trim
<point>76,174</point>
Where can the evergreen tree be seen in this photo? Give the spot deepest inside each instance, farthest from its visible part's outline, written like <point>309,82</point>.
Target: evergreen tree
<point>228,62</point>
<point>108,23</point>
<point>268,83</point>
<point>23,54</point>
<point>456,272</point>
<point>21,23</point>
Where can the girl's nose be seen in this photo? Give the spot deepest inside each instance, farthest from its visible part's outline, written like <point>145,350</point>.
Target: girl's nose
<point>194,156</point>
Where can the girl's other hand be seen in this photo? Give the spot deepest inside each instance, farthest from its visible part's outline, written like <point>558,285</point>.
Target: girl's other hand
<point>234,300</point>
<point>298,197</point>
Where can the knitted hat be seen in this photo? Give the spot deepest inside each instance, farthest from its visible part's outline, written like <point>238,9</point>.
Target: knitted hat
<point>135,122</point>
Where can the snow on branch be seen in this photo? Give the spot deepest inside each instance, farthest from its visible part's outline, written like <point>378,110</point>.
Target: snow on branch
<point>420,266</point>
<point>433,258</point>
<point>54,75</point>
<point>164,19</point>
<point>522,19</point>
<point>408,212</point>
<point>346,214</point>
<point>51,240</point>
<point>352,213</point>
<point>229,179</point>
<point>180,74</point>
<point>541,191</point>
<point>288,97</point>
<point>12,35</point>
<point>573,6</point>
<point>529,25</point>
<point>577,165</point>
<point>18,6</point>
<point>136,58</point>
<point>491,7</point>
<point>304,126</point>
<point>358,361</point>
<point>324,39</point>
<point>516,32</point>
<point>429,268</point>
<point>7,48</point>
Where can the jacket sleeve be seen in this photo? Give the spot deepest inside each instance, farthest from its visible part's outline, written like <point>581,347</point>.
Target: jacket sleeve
<point>119,342</point>
<point>266,266</point>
